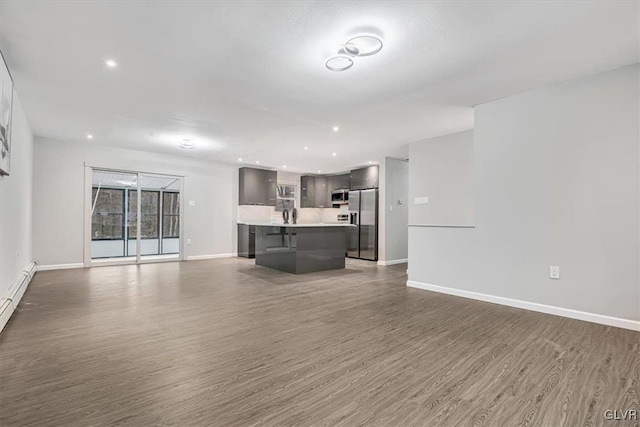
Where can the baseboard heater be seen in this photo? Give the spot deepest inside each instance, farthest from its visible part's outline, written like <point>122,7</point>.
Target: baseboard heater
<point>9,305</point>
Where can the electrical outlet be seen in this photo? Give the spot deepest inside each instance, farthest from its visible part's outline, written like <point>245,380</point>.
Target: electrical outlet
<point>554,272</point>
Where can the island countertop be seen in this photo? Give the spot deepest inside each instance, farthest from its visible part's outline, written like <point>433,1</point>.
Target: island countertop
<point>267,224</point>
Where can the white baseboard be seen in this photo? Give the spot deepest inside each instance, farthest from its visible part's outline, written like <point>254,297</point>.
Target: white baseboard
<point>60,266</point>
<point>211,256</point>
<point>634,325</point>
<point>393,262</point>
<point>9,305</point>
<point>6,310</point>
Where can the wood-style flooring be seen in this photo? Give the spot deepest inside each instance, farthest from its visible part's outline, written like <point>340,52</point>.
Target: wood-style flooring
<point>225,343</point>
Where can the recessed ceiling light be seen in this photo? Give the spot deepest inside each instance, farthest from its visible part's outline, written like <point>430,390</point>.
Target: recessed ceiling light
<point>334,154</point>
<point>111,63</point>
<point>284,166</point>
<point>187,144</point>
<point>319,171</point>
<point>240,159</point>
<point>339,63</point>
<point>336,128</point>
<point>306,148</point>
<point>89,136</point>
<point>370,162</point>
<point>257,162</point>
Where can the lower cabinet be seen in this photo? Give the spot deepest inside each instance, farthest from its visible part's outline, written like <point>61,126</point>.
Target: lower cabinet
<point>246,241</point>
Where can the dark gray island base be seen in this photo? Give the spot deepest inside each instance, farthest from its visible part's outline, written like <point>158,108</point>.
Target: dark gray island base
<point>301,248</point>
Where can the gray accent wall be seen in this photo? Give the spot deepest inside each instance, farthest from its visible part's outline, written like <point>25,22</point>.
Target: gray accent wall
<point>556,176</point>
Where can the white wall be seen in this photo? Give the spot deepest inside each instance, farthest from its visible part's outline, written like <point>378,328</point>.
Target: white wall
<point>444,176</point>
<point>556,174</point>
<point>59,197</point>
<point>16,205</point>
<point>396,214</point>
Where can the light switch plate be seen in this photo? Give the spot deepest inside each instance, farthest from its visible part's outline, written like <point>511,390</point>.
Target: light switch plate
<point>420,200</point>
<point>192,202</point>
<point>554,272</point>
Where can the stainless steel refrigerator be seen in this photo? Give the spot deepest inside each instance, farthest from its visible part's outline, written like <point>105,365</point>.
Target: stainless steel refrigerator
<point>362,240</point>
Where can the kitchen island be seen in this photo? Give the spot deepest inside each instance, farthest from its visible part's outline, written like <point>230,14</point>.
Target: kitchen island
<point>300,248</point>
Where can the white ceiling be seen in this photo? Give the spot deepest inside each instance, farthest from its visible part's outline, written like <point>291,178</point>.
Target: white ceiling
<point>247,79</point>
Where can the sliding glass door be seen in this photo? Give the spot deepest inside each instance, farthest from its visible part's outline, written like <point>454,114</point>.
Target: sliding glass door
<point>135,217</point>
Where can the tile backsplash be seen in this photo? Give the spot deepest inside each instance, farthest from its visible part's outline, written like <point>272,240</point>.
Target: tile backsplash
<point>305,215</point>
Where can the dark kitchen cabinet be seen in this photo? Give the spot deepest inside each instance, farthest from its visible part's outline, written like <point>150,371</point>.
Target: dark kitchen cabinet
<point>307,191</point>
<point>315,192</point>
<point>340,182</point>
<point>246,241</point>
<point>322,192</point>
<point>364,178</point>
<point>257,187</point>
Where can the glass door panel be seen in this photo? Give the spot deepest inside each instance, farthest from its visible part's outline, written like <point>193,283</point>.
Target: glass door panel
<point>110,224</point>
<point>160,217</point>
<point>170,243</point>
<point>149,222</point>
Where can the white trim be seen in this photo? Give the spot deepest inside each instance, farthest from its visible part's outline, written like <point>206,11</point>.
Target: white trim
<point>211,256</point>
<point>60,266</point>
<point>393,261</point>
<point>6,310</point>
<point>634,325</point>
<point>22,283</point>
<point>8,305</point>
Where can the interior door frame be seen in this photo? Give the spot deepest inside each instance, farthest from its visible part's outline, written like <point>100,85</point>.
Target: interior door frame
<point>88,203</point>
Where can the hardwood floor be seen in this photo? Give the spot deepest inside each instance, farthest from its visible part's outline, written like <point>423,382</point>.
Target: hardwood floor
<point>223,342</point>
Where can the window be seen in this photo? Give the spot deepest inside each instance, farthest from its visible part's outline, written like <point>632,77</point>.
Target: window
<point>150,211</point>
<point>286,197</point>
<point>107,220</point>
<point>170,214</point>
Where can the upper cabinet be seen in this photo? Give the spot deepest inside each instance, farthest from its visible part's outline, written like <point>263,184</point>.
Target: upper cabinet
<point>340,182</point>
<point>257,187</point>
<point>364,178</point>
<point>314,192</point>
<point>323,193</point>
<point>307,191</point>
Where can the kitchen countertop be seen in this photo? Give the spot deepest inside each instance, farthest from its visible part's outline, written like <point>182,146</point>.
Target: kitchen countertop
<point>267,224</point>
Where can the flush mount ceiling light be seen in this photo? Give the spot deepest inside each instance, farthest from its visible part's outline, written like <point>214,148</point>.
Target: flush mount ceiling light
<point>339,63</point>
<point>363,46</point>
<point>187,144</point>
<point>355,47</point>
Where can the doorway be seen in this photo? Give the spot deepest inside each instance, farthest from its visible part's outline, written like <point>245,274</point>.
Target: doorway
<point>135,217</point>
